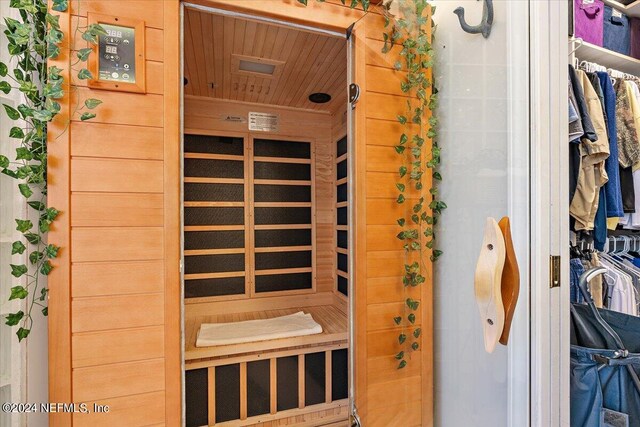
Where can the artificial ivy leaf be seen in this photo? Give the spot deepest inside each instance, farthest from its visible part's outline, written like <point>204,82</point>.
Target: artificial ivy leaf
<point>85,74</point>
<point>401,222</point>
<point>33,238</point>
<point>45,311</point>
<point>92,103</point>
<point>42,115</point>
<point>43,294</point>
<point>52,213</point>
<point>13,319</point>
<point>22,333</point>
<point>402,171</point>
<point>18,74</point>
<point>18,292</point>
<point>25,110</point>
<point>25,190</point>
<point>415,346</point>
<point>399,356</point>
<point>39,206</point>
<point>415,218</point>
<point>23,153</point>
<point>437,176</point>
<point>18,248</point>
<point>418,185</point>
<point>44,224</point>
<point>35,256</point>
<point>417,332</point>
<point>83,54</point>
<point>3,69</point>
<point>400,199</point>
<point>412,304</point>
<point>53,50</point>
<point>11,112</point>
<point>23,225</point>
<point>365,5</point>
<point>46,268</point>
<point>403,139</point>
<point>60,5</point>
<point>428,232</point>
<point>304,2</point>
<point>402,364</point>
<point>5,87</point>
<point>401,187</point>
<point>397,320</point>
<point>402,119</point>
<point>397,65</point>
<point>87,116</point>
<point>17,271</point>
<point>400,149</point>
<point>402,338</point>
<point>412,318</point>
<point>52,251</point>
<point>16,132</point>
<point>4,162</point>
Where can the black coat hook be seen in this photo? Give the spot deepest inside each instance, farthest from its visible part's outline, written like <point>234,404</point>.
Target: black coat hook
<point>485,25</point>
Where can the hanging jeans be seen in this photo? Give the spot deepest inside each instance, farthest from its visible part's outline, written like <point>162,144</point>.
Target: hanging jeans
<point>576,270</point>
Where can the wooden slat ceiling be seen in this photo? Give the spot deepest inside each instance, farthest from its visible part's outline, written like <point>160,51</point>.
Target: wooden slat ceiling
<point>311,62</point>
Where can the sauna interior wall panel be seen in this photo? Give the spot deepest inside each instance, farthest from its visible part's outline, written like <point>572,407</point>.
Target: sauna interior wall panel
<point>115,286</point>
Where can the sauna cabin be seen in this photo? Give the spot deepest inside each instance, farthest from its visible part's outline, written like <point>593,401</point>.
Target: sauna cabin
<point>233,182</point>
<point>265,195</point>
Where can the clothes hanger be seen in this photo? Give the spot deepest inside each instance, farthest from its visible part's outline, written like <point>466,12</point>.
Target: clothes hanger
<point>578,42</point>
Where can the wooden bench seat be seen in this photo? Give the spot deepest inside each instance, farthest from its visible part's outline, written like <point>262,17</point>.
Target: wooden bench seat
<point>333,322</point>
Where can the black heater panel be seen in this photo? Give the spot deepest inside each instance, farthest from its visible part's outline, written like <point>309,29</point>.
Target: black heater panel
<point>287,382</point>
<point>258,388</point>
<point>314,378</point>
<point>196,397</point>
<point>227,393</point>
<point>339,374</point>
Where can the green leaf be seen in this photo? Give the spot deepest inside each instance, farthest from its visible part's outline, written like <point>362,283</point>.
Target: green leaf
<point>42,115</point>
<point>417,332</point>
<point>400,199</point>
<point>402,119</point>
<point>83,54</point>
<point>412,318</point>
<point>401,222</point>
<point>39,206</point>
<point>399,356</point>
<point>23,153</point>
<point>402,171</point>
<point>35,256</point>
<point>23,225</point>
<point>415,218</point>
<point>415,346</point>
<point>403,139</point>
<point>87,116</point>
<point>402,364</point>
<point>46,268</point>
<point>11,112</point>
<point>60,5</point>
<point>45,311</point>
<point>430,244</point>
<point>412,304</point>
<point>397,320</point>
<point>437,176</point>
<point>401,187</point>
<point>92,103</point>
<point>52,250</point>
<point>43,294</point>
<point>16,132</point>
<point>400,149</point>
<point>4,162</point>
<point>18,270</point>
<point>85,74</point>
<point>33,238</point>
<point>3,69</point>
<point>397,65</point>
<point>304,2</point>
<point>25,190</point>
<point>18,248</point>
<point>5,87</point>
<point>402,338</point>
<point>18,292</point>
<point>13,319</point>
<point>22,333</point>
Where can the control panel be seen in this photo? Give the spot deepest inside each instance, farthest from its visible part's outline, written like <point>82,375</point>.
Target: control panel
<point>118,60</point>
<point>117,54</point>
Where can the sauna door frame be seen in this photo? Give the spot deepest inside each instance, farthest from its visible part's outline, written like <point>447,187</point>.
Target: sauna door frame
<point>248,137</point>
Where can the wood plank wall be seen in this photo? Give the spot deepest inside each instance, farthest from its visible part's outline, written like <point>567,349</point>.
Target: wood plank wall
<point>207,116</point>
<point>385,395</point>
<point>115,291</point>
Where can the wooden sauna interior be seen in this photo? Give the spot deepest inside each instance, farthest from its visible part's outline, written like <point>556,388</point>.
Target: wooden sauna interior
<point>265,219</point>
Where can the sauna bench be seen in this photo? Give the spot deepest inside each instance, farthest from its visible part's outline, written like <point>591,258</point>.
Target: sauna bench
<point>334,334</point>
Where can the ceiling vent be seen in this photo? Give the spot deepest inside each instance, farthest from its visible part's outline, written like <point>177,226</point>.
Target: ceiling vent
<point>256,67</point>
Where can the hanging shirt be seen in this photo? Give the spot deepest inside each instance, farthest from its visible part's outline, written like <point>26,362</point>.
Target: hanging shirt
<point>612,187</point>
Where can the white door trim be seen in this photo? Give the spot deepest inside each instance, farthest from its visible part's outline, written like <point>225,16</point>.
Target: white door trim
<point>549,213</point>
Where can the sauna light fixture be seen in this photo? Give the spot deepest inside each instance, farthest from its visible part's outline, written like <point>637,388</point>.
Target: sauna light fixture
<point>256,67</point>
<point>319,98</point>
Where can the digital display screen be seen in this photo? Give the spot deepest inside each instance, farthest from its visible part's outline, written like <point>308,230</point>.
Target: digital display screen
<point>117,54</point>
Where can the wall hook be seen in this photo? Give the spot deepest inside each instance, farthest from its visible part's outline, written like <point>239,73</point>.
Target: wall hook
<point>487,20</point>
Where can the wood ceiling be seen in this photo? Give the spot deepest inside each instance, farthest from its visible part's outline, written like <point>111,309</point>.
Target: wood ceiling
<point>310,62</point>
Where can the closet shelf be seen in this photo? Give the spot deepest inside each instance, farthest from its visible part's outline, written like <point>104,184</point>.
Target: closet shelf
<point>632,9</point>
<point>608,58</point>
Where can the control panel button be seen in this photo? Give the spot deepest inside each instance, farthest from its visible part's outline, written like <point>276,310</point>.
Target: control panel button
<point>125,76</point>
<point>115,75</point>
<point>126,66</point>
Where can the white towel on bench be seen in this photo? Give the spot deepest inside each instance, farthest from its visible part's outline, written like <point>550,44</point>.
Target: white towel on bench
<point>293,325</point>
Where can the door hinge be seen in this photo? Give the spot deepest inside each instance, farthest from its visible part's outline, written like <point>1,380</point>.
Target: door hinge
<point>554,271</point>
<point>354,94</point>
<point>354,419</point>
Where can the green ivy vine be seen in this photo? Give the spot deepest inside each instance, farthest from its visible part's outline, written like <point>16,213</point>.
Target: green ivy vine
<point>34,39</point>
<point>411,30</point>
